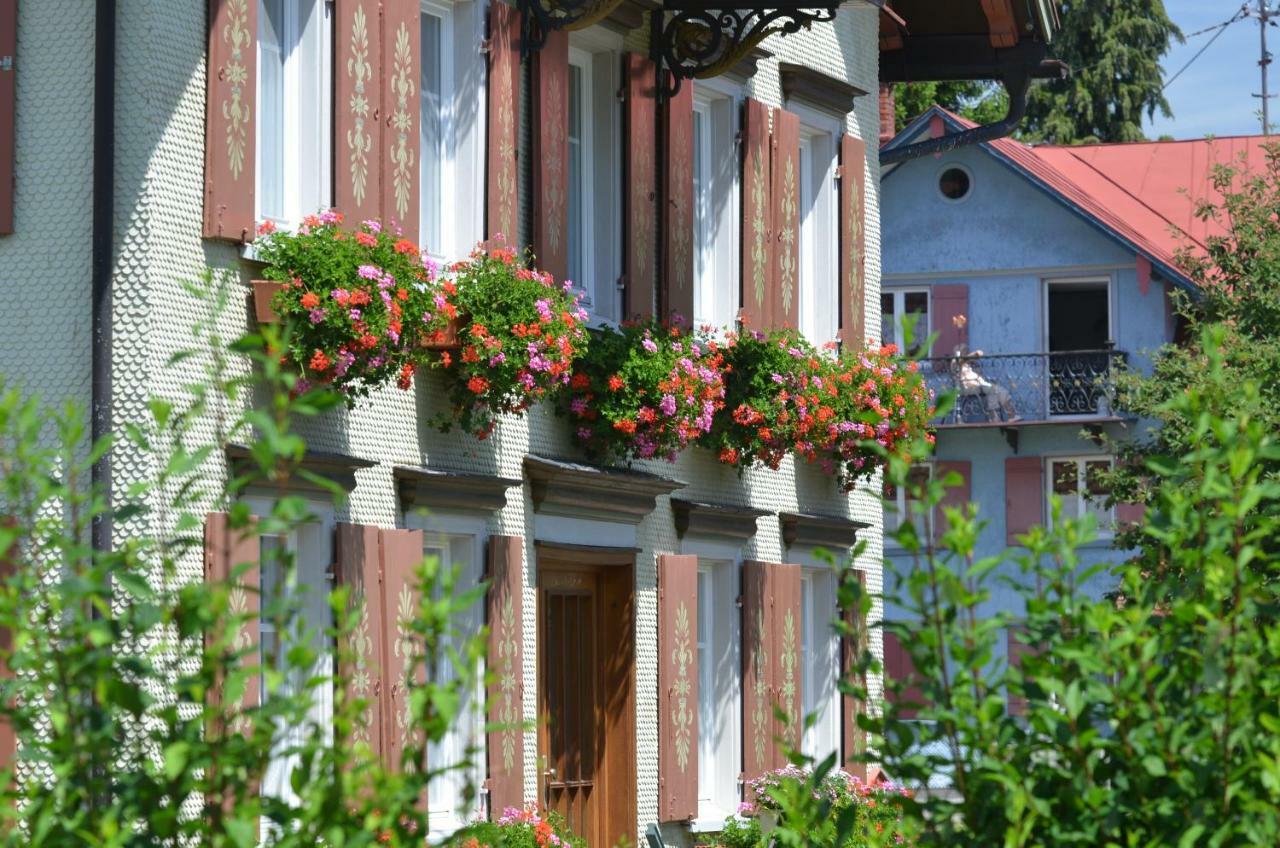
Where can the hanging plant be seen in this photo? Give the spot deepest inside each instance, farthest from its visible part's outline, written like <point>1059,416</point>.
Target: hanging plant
<point>645,391</point>
<point>349,297</point>
<point>505,336</point>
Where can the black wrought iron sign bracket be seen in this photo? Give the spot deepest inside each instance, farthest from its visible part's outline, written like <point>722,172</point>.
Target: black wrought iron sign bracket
<point>540,17</point>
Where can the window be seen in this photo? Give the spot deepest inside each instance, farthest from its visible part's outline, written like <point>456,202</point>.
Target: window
<point>902,508</point>
<point>819,234</point>
<point>1079,484</point>
<point>449,807</point>
<point>579,141</point>
<point>715,198</point>
<point>719,692</point>
<point>295,49</point>
<point>819,662</point>
<point>954,183</point>
<point>436,95</point>
<point>902,308</point>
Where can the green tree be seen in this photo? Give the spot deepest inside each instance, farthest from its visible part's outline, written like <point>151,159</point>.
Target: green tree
<point>980,102</point>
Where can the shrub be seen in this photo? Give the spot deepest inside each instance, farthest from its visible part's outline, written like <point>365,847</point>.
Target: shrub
<point>519,828</point>
<point>518,334</point>
<point>645,391</point>
<point>353,300</point>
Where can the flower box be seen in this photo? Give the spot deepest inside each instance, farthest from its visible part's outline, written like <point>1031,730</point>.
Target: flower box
<point>263,292</point>
<point>445,338</point>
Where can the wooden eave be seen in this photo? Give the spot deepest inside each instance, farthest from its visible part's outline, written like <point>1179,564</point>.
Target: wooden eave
<point>426,488</point>
<point>826,531</point>
<point>577,490</point>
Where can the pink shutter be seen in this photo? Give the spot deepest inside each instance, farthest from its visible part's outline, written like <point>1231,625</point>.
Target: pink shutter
<point>360,569</point>
<point>853,242</point>
<point>505,703</point>
<point>551,155</point>
<point>401,71</point>
<point>357,109</point>
<point>640,183</point>
<point>852,646</point>
<point>787,692</point>
<point>1023,495</point>
<point>899,667</point>
<point>230,128</point>
<point>677,178</point>
<point>1017,649</point>
<point>402,649</point>
<point>786,218</point>
<point>757,674</point>
<point>677,687</point>
<point>502,178</point>
<point>1129,515</point>
<point>757,225</point>
<point>948,305</point>
<point>8,120</point>
<point>954,496</point>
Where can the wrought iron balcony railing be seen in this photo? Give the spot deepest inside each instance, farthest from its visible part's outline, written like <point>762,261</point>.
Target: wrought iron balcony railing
<point>1027,387</point>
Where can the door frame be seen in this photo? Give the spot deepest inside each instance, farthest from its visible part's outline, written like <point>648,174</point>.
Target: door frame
<point>615,569</point>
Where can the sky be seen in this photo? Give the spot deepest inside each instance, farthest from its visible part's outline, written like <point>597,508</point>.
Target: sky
<point>1215,94</point>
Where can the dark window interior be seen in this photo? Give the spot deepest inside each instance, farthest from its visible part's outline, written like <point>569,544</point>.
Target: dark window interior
<point>1078,317</point>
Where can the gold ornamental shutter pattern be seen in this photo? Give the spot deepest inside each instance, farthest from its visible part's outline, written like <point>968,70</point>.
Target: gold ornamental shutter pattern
<point>401,130</point>
<point>360,570</point>
<point>400,553</point>
<point>853,243</point>
<point>551,156</point>
<point>757,223</point>
<point>230,128</point>
<point>677,687</point>
<point>502,194</point>
<point>358,109</point>
<point>785,197</point>
<point>504,608</point>
<point>640,185</point>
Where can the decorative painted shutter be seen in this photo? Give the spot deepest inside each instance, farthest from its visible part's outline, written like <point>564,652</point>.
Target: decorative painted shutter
<point>786,218</point>
<point>852,646</point>
<point>8,568</point>
<point>677,179</point>
<point>757,224</point>
<point>948,303</point>
<point>955,496</point>
<point>357,109</point>
<point>1130,515</point>
<point>401,73</point>
<point>757,653</point>
<point>1017,649</point>
<point>502,187</point>
<point>899,667</point>
<point>677,688</point>
<point>1023,495</point>
<point>401,552</point>
<point>551,155</point>
<point>230,126</point>
<point>8,122</point>
<point>360,569</point>
<point>505,703</point>
<point>787,621</point>
<point>640,183</point>
<point>853,242</point>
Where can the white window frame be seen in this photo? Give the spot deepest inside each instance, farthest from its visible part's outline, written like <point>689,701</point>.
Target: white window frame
<point>716,258</point>
<point>820,661</point>
<point>819,295</point>
<point>1106,518</point>
<point>1061,282</point>
<point>453,532</point>
<point>307,124</point>
<point>581,60</point>
<point>899,295</point>
<point>901,513</point>
<point>444,153</point>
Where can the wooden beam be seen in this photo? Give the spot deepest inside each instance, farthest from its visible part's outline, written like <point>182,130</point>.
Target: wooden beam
<point>1001,22</point>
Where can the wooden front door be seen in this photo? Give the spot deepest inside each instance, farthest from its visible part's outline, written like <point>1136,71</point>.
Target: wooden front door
<point>586,685</point>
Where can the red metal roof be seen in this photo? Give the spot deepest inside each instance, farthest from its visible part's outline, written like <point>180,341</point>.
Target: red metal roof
<point>1144,192</point>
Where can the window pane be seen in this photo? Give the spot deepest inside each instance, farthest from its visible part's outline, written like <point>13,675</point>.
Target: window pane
<point>699,213</point>
<point>271,55</point>
<point>916,306</point>
<point>1096,499</point>
<point>576,154</point>
<point>706,692</point>
<point>888,323</point>
<point>1066,485</point>
<point>432,132</point>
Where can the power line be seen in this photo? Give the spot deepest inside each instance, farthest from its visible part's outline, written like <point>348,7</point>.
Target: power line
<point>1222,27</point>
<point>1243,13</point>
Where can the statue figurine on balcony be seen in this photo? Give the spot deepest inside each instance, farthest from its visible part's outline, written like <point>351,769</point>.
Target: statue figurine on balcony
<point>970,383</point>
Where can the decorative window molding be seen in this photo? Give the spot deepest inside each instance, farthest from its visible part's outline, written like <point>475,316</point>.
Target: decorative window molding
<point>575,490</point>
<point>828,531</point>
<point>694,518</point>
<point>816,89</point>
<point>334,467</point>
<point>426,488</point>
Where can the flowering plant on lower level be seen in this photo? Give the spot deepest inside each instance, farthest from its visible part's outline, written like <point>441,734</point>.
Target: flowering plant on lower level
<point>645,390</point>
<point>518,335</point>
<point>519,828</point>
<point>351,298</point>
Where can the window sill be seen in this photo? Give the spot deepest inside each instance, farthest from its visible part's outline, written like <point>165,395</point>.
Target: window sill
<point>709,821</point>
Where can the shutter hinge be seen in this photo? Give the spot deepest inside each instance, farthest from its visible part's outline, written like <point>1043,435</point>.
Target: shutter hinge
<point>6,63</point>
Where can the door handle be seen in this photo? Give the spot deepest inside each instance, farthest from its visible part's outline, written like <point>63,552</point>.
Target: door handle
<point>547,777</point>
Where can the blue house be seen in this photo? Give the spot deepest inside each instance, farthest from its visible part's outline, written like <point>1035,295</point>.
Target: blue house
<point>1040,270</point>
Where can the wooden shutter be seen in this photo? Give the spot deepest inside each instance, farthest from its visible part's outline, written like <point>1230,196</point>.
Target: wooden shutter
<point>230,127</point>
<point>357,109</point>
<point>853,242</point>
<point>360,569</point>
<point>787,621</point>
<point>757,652</point>
<point>677,179</point>
<point>403,651</point>
<point>1023,495</point>
<point>948,304</point>
<point>757,224</point>
<point>401,72</point>
<point>852,646</point>
<point>505,702</point>
<point>786,218</point>
<point>677,687</point>
<point>1129,515</point>
<point>899,667</point>
<point>551,155</point>
<point>640,184</point>
<point>8,123</point>
<point>502,184</point>
<point>954,496</point>
<point>8,568</point>
<point>1016,649</point>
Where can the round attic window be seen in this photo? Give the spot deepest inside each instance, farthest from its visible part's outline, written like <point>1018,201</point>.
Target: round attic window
<point>954,183</point>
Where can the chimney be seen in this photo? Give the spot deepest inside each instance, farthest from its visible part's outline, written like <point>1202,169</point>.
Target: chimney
<point>886,113</point>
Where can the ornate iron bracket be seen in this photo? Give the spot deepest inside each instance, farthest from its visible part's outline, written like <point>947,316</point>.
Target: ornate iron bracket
<point>540,17</point>
<point>698,39</point>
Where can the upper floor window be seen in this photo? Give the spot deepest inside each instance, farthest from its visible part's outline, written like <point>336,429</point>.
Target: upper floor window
<point>819,230</point>
<point>294,143</point>
<point>1079,482</point>
<point>900,309</point>
<point>715,204</point>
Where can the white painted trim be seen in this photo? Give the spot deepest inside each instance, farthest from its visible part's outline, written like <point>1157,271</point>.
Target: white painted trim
<point>583,531</point>
<point>899,293</point>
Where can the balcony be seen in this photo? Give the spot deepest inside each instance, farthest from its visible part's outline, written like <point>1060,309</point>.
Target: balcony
<point>1012,390</point>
